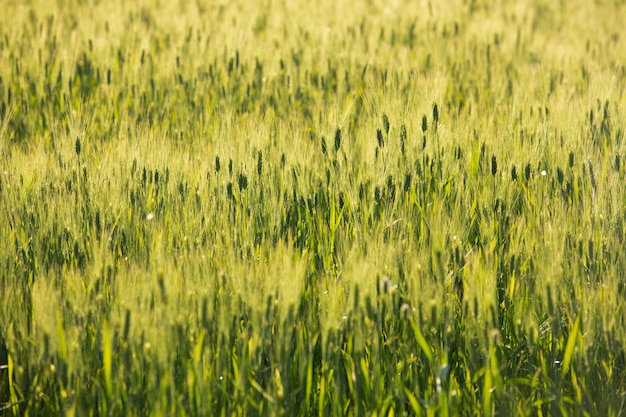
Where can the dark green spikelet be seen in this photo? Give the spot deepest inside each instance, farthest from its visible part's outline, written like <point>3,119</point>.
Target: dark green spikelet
<point>592,175</point>
<point>458,153</point>
<point>77,146</point>
<point>229,191</point>
<point>337,139</point>
<point>407,182</point>
<point>559,175</point>
<point>243,181</point>
<point>402,138</point>
<point>514,173</point>
<point>494,165</point>
<point>435,114</point>
<point>391,188</point>
<point>571,159</point>
<point>324,150</point>
<point>259,163</point>
<point>379,136</point>
<point>126,325</point>
<point>424,124</point>
<point>377,194</point>
<point>386,123</point>
<point>161,282</point>
<point>217,163</point>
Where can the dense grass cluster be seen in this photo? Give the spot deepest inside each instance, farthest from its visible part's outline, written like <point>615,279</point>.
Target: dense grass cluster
<point>312,208</point>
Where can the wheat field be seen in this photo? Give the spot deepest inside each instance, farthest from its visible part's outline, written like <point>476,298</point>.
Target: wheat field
<point>363,207</point>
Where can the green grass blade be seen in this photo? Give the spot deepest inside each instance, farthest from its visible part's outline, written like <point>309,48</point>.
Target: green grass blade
<point>107,359</point>
<point>13,401</point>
<point>415,405</point>
<point>421,341</point>
<point>569,348</point>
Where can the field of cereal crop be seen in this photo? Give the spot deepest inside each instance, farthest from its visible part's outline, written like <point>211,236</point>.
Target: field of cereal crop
<point>360,207</point>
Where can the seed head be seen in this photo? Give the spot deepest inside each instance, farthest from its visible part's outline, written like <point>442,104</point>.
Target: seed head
<point>337,139</point>
<point>385,285</point>
<point>424,123</point>
<point>390,183</point>
<point>386,123</point>
<point>494,165</point>
<point>402,137</point>
<point>559,175</point>
<point>77,146</point>
<point>407,182</point>
<point>405,310</point>
<point>381,141</point>
<point>243,182</point>
<point>377,195</point>
<point>592,176</point>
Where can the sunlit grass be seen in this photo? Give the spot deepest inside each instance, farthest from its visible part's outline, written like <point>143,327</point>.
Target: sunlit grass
<point>361,208</point>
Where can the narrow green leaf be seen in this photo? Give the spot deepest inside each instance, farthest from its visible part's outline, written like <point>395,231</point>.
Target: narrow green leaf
<point>321,397</point>
<point>309,382</point>
<point>421,341</point>
<point>62,341</point>
<point>569,348</point>
<point>366,376</point>
<point>12,393</point>
<point>197,351</point>
<point>106,358</point>
<point>413,401</point>
<point>487,388</point>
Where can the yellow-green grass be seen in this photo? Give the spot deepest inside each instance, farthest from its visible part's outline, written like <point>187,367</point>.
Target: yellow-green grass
<point>334,208</point>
